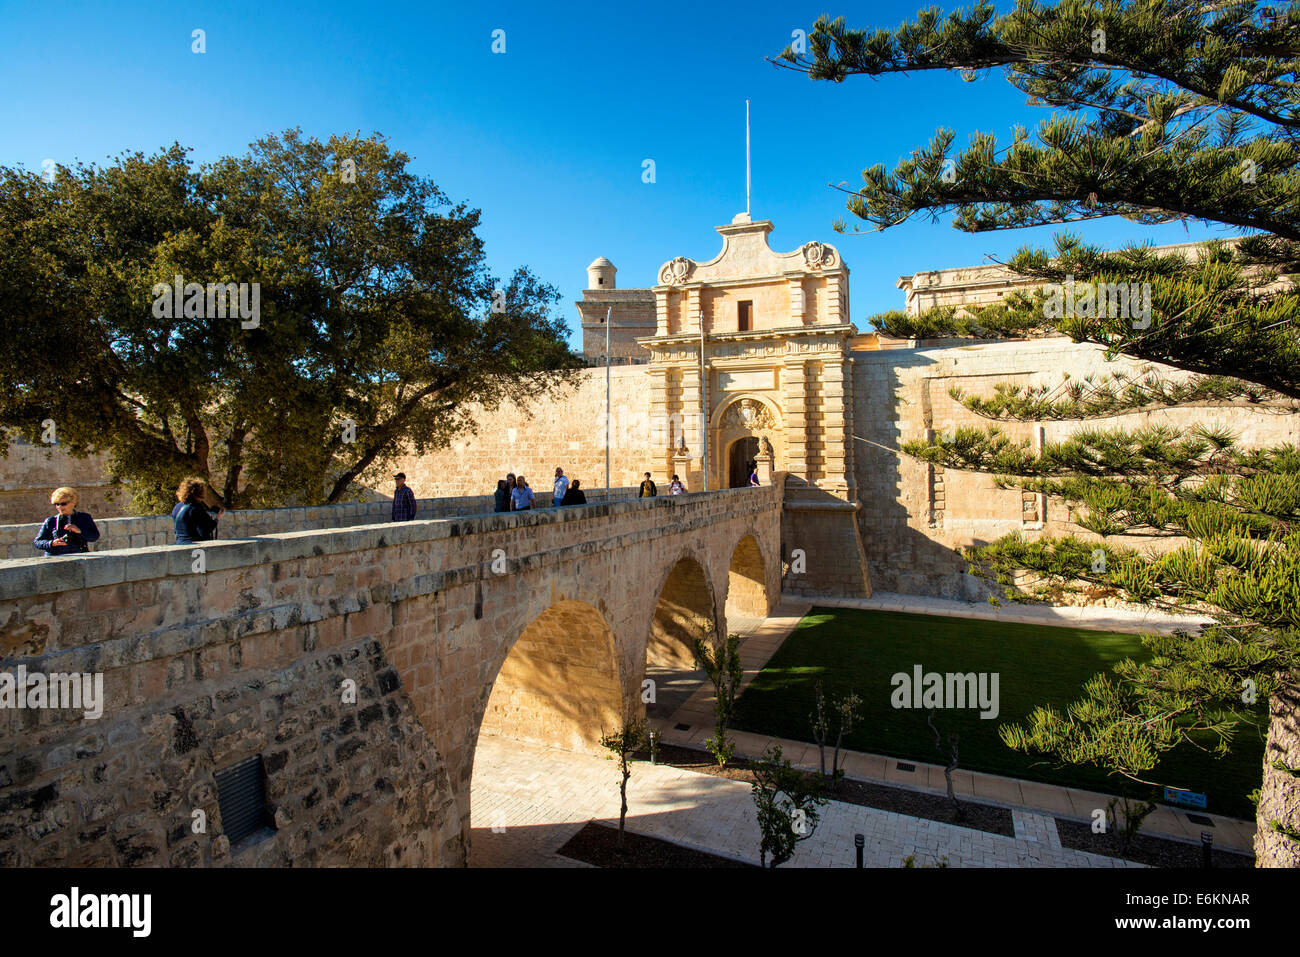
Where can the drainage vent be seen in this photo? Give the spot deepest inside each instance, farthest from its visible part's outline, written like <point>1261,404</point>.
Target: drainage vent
<point>241,794</point>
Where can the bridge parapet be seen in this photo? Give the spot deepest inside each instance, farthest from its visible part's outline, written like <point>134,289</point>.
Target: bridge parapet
<point>146,530</point>
<point>250,658</point>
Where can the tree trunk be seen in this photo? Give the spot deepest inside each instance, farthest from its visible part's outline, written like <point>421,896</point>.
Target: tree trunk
<point>1279,795</point>
<point>622,811</point>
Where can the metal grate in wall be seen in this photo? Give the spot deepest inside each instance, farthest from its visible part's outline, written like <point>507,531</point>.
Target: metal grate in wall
<point>241,794</point>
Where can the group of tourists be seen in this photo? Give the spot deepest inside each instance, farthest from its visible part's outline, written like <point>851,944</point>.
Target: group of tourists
<point>70,531</point>
<point>649,490</point>
<point>514,494</point>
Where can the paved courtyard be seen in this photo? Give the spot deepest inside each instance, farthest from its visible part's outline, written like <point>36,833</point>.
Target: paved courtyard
<point>538,798</point>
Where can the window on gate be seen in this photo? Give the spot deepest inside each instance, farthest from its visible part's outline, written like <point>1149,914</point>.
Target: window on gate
<point>746,315</point>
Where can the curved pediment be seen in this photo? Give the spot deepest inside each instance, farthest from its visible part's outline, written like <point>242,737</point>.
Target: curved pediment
<point>746,255</point>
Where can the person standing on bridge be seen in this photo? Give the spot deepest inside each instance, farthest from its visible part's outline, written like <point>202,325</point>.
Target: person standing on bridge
<point>502,496</point>
<point>676,488</point>
<point>561,487</point>
<point>575,495</point>
<point>648,489</point>
<point>67,532</point>
<point>403,500</point>
<point>194,519</point>
<point>522,497</point>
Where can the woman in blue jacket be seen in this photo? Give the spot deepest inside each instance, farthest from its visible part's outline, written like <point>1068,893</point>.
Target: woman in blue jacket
<point>67,532</point>
<point>195,522</point>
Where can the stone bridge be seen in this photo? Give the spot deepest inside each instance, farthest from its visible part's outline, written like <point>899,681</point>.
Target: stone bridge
<point>351,668</point>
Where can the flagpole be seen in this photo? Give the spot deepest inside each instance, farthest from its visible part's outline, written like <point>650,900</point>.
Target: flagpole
<point>747,210</point>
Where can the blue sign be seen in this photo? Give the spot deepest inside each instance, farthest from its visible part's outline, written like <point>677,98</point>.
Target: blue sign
<point>1186,798</point>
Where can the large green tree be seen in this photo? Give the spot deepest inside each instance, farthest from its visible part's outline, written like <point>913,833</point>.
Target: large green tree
<point>378,323</point>
<point>1162,110</point>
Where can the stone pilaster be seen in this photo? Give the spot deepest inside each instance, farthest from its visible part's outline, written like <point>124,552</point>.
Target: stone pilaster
<point>693,317</point>
<point>837,426</point>
<point>794,396</point>
<point>797,304</point>
<point>661,310</point>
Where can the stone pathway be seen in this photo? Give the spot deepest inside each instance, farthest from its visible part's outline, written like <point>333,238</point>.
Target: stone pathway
<point>763,638</point>
<point>540,797</point>
<point>1130,619</point>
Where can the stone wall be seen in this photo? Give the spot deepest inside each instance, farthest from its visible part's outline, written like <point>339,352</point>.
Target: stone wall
<point>154,530</point>
<point>916,516</point>
<point>29,473</point>
<point>248,656</point>
<point>566,429</point>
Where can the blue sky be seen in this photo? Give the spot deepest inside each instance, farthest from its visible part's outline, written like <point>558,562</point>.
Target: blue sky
<point>547,139</point>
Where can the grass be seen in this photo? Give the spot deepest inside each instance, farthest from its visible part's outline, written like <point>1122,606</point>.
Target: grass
<point>858,651</point>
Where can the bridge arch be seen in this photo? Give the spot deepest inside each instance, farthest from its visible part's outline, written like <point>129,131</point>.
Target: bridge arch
<point>559,683</point>
<point>747,592</point>
<point>685,608</point>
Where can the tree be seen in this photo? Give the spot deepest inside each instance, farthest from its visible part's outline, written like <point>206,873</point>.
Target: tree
<point>722,665</point>
<point>624,743</point>
<point>954,739</point>
<point>846,711</point>
<point>1124,818</point>
<point>786,802</point>
<point>1168,110</point>
<point>362,321</point>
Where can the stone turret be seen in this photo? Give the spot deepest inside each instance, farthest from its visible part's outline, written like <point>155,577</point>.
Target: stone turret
<point>600,274</point>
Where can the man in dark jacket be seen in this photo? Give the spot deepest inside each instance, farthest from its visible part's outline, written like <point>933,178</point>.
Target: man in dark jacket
<point>68,532</point>
<point>648,489</point>
<point>403,500</point>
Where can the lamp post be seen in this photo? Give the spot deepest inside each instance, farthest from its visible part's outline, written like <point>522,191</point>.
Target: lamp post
<point>608,312</point>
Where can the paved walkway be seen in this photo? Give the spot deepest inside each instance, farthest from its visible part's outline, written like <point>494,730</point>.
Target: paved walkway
<point>762,638</point>
<point>538,798</point>
<point>1126,619</point>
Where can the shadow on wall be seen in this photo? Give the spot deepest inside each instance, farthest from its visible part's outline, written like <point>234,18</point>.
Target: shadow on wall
<point>895,489</point>
<point>559,684</point>
<point>747,581</point>
<point>682,614</point>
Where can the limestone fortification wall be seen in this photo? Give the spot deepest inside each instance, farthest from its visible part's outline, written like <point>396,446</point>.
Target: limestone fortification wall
<point>154,530</point>
<point>915,516</point>
<point>29,473</point>
<point>565,429</point>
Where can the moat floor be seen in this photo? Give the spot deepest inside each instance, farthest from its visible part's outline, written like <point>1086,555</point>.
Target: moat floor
<point>539,797</point>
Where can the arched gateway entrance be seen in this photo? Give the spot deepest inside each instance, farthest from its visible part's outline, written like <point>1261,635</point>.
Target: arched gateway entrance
<point>741,461</point>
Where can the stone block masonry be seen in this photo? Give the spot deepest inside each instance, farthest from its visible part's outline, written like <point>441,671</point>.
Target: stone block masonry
<point>150,531</point>
<point>258,656</point>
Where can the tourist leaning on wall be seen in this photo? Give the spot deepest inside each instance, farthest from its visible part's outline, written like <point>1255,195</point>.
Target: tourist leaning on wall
<point>195,521</point>
<point>67,532</point>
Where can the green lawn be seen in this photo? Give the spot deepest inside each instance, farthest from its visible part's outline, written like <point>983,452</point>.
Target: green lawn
<point>859,651</point>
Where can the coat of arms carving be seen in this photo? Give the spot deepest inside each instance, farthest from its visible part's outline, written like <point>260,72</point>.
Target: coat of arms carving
<point>818,256</point>
<point>677,271</point>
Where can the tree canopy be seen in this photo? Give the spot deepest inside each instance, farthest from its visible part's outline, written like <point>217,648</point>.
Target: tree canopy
<point>362,322</point>
<point>1162,110</point>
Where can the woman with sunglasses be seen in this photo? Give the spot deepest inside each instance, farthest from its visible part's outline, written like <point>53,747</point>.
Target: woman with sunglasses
<point>67,531</point>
